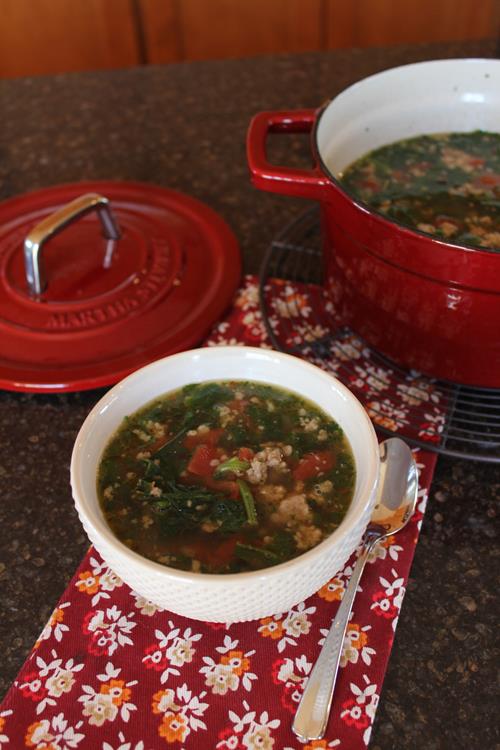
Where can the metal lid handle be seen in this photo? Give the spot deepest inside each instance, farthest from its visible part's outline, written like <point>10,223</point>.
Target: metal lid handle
<point>53,224</point>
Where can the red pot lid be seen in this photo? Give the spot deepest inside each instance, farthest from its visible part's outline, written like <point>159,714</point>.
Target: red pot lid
<point>108,307</point>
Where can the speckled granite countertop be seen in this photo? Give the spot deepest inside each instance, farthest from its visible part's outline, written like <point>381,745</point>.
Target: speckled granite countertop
<point>183,126</point>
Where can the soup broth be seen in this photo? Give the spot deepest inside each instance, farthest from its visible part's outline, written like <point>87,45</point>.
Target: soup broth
<point>445,185</point>
<point>224,477</point>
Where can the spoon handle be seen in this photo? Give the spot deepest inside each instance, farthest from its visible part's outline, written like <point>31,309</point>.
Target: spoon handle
<point>314,707</point>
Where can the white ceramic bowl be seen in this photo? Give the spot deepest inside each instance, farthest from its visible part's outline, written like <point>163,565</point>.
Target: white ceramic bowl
<point>240,596</point>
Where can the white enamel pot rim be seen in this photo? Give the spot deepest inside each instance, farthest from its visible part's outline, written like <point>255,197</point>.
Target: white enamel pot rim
<point>433,96</point>
<point>224,597</point>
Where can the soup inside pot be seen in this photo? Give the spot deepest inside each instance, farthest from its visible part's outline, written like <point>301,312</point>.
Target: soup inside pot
<point>446,185</point>
<point>225,477</point>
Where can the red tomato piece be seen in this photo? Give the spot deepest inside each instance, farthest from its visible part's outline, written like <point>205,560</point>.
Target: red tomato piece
<point>312,464</point>
<point>400,176</point>
<point>159,443</point>
<point>211,437</point>
<point>224,552</point>
<point>245,454</point>
<point>370,184</point>
<point>489,179</point>
<point>422,165</point>
<point>226,486</point>
<point>200,463</point>
<point>201,466</point>
<point>238,405</point>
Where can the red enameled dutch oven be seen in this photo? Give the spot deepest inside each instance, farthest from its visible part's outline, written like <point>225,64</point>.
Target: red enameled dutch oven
<point>427,304</point>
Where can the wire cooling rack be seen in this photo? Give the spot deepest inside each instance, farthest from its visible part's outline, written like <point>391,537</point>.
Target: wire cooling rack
<point>449,418</point>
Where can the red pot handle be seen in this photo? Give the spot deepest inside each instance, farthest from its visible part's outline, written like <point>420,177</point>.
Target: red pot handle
<point>305,183</point>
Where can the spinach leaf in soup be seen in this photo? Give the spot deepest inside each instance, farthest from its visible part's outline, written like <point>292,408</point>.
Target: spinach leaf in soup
<point>225,477</point>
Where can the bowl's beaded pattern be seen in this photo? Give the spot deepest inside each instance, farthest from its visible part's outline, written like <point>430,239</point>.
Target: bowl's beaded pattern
<point>233,601</point>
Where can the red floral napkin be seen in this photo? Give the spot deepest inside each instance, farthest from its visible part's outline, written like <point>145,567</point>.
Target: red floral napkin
<point>112,671</point>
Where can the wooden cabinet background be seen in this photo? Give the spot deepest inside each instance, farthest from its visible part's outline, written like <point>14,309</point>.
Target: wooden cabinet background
<point>52,36</point>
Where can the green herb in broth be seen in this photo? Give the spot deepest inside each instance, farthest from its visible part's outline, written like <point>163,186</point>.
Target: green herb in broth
<point>446,185</point>
<point>224,477</point>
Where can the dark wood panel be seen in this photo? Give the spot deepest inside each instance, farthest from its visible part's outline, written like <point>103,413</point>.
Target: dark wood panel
<point>204,29</point>
<point>161,30</point>
<point>237,28</point>
<point>51,36</point>
<point>54,36</point>
<point>366,23</point>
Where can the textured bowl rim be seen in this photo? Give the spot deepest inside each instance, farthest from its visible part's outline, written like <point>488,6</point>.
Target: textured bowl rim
<point>95,518</point>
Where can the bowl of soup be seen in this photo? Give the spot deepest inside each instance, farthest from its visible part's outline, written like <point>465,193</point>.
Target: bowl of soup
<point>226,483</point>
<point>407,172</point>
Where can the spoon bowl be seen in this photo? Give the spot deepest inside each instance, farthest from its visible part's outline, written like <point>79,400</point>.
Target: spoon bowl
<point>397,490</point>
<point>397,494</point>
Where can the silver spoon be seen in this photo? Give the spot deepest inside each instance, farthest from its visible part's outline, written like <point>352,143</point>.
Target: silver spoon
<point>395,503</point>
